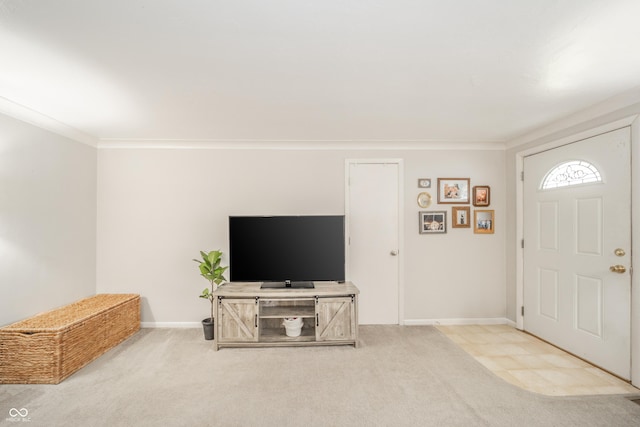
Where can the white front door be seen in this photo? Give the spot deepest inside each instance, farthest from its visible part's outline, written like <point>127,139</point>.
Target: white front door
<point>577,249</point>
<point>373,206</point>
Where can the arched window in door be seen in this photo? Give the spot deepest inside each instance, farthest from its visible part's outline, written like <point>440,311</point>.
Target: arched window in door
<point>574,172</point>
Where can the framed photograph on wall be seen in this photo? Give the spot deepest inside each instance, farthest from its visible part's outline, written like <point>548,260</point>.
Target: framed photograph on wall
<point>481,195</point>
<point>433,222</point>
<point>461,217</point>
<point>453,190</point>
<point>424,182</point>
<point>483,221</point>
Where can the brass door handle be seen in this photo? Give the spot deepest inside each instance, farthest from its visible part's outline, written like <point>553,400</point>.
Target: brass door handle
<point>617,269</point>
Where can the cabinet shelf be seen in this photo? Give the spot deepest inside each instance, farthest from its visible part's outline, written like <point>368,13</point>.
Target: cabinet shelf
<point>278,312</point>
<point>279,335</point>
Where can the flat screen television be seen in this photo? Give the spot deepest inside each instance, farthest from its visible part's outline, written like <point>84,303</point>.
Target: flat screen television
<point>287,251</point>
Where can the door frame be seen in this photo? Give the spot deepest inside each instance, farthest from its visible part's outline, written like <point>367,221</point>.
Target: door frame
<point>347,207</point>
<point>634,123</point>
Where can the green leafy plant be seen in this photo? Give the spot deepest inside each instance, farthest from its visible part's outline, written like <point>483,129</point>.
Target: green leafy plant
<point>211,270</point>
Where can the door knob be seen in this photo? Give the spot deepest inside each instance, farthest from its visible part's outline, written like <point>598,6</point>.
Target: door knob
<point>394,253</point>
<point>617,269</point>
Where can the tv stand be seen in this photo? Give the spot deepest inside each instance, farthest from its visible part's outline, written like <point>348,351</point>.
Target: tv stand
<point>247,315</point>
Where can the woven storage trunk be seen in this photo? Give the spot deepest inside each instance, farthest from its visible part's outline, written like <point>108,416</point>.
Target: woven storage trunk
<point>47,348</point>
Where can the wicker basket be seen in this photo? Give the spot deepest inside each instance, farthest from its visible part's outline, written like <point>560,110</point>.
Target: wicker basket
<point>47,348</point>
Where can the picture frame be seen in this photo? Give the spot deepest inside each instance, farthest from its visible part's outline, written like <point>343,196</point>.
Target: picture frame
<point>483,221</point>
<point>424,200</point>
<point>481,195</point>
<point>453,190</point>
<point>461,217</point>
<point>433,222</point>
<point>424,182</point>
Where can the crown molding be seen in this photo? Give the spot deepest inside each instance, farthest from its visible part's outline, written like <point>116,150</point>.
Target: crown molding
<point>268,144</point>
<point>42,121</point>
<point>618,107</point>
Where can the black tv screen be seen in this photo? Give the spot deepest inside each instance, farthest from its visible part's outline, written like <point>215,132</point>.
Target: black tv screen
<point>286,248</point>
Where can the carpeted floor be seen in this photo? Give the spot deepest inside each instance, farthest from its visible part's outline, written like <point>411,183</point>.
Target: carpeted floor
<point>399,376</point>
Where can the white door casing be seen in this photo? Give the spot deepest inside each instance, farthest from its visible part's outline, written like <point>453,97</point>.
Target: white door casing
<point>373,213</point>
<point>571,234</point>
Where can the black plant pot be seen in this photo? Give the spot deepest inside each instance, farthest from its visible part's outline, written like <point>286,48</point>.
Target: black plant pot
<point>207,326</point>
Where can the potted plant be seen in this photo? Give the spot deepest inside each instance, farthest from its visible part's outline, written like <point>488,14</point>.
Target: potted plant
<point>211,270</point>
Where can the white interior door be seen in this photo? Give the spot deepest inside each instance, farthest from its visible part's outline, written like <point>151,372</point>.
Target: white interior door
<point>577,249</point>
<point>373,240</point>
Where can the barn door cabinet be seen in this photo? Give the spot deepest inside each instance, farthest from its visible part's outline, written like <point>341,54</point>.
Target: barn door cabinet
<point>237,320</point>
<point>247,316</point>
<point>335,319</point>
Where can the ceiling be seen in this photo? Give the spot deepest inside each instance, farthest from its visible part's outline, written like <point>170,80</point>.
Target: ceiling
<point>323,70</point>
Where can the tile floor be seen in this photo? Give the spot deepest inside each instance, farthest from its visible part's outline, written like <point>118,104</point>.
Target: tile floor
<point>532,364</point>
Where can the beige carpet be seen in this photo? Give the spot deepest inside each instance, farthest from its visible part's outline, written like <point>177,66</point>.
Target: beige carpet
<point>399,376</point>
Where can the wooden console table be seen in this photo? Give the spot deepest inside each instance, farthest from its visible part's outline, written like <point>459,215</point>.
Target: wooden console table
<point>247,316</point>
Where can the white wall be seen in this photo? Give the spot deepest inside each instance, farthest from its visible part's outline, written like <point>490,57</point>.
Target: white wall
<point>158,207</point>
<point>47,220</point>
<point>458,275</point>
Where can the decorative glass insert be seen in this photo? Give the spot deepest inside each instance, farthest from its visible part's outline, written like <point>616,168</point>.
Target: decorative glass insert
<point>574,172</point>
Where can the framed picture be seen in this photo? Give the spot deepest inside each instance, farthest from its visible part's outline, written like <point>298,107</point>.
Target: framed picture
<point>433,222</point>
<point>453,190</point>
<point>461,217</point>
<point>483,221</point>
<point>424,182</point>
<point>481,195</point>
<point>424,200</point>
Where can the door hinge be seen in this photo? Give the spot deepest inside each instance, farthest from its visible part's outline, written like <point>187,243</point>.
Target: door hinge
<point>522,243</point>
<point>522,176</point>
<point>522,310</point>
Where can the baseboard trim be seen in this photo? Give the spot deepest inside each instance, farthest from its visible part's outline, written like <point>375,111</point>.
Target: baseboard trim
<point>463,321</point>
<point>182,325</point>
<point>407,322</point>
